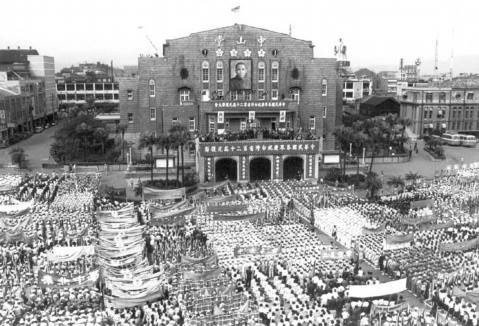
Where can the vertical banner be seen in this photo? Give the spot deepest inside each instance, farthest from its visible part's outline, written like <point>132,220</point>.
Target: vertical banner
<point>310,168</point>
<point>278,167</point>
<point>221,117</point>
<point>282,116</point>
<point>251,116</point>
<point>244,168</point>
<point>209,168</point>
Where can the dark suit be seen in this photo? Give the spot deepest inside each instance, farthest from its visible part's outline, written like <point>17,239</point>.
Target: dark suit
<point>237,83</point>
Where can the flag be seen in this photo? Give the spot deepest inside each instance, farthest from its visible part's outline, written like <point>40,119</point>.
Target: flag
<point>236,9</point>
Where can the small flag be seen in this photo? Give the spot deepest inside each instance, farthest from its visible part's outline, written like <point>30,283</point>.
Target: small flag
<point>235,9</point>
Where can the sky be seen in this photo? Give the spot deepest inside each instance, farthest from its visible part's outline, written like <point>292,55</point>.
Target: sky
<point>377,33</point>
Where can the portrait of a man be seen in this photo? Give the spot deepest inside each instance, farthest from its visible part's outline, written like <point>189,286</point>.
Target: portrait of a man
<point>240,72</point>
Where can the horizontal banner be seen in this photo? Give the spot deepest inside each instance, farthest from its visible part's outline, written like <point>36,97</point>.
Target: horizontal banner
<point>16,208</point>
<point>226,208</point>
<point>120,303</point>
<point>52,280</point>
<point>208,261</point>
<point>152,193</point>
<point>222,199</point>
<point>379,229</point>
<point>161,209</point>
<point>460,246</point>
<point>212,185</point>
<point>256,250</point>
<point>176,212</point>
<point>426,227</point>
<point>393,242</point>
<point>203,276</point>
<point>6,237</point>
<point>220,217</point>
<point>379,309</point>
<point>64,254</point>
<point>419,220</point>
<point>418,204</point>
<point>377,290</point>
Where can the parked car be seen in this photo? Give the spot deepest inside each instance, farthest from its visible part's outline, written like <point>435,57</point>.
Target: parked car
<point>38,129</point>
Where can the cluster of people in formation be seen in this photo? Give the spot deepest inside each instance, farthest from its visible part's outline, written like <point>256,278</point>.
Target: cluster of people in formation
<point>269,261</point>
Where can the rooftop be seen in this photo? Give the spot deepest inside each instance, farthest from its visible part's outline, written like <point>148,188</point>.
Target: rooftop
<point>12,56</point>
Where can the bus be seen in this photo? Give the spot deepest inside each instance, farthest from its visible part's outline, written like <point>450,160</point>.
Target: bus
<point>468,140</point>
<point>451,139</point>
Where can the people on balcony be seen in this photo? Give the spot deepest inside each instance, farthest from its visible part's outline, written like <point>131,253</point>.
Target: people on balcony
<point>253,133</point>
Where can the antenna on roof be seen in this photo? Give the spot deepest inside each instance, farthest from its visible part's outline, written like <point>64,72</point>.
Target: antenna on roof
<point>151,42</point>
<point>290,30</point>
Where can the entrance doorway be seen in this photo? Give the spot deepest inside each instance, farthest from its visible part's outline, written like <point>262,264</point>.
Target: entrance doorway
<point>226,169</point>
<point>293,168</point>
<point>260,169</point>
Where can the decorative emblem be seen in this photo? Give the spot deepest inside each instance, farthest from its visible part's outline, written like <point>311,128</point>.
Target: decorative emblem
<point>233,52</point>
<point>247,53</point>
<point>241,41</point>
<point>261,53</point>
<point>219,39</point>
<point>261,40</point>
<point>47,279</point>
<point>219,53</point>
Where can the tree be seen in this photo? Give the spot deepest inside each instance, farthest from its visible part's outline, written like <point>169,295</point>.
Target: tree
<point>18,156</point>
<point>101,135</point>
<point>412,177</point>
<point>373,184</point>
<point>149,140</point>
<point>182,137</point>
<point>344,136</point>
<point>122,127</point>
<point>84,130</point>
<point>165,141</point>
<point>396,182</point>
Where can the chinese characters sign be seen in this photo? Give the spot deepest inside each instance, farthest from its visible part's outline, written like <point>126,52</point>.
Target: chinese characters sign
<point>260,148</point>
<point>249,104</point>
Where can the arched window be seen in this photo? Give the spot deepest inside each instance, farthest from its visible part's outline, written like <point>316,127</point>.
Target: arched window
<point>219,71</point>
<point>205,72</point>
<point>184,95</point>
<point>274,71</point>
<point>151,84</point>
<point>294,93</point>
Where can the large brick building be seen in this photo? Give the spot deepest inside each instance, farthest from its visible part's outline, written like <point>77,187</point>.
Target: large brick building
<point>234,79</point>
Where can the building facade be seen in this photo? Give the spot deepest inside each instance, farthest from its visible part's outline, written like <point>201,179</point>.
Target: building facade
<point>235,79</point>
<point>356,88</point>
<point>72,93</point>
<point>449,106</point>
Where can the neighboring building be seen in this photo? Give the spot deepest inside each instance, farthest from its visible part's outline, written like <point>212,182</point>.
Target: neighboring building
<point>451,105</point>
<point>15,115</point>
<point>374,106</point>
<point>25,73</point>
<point>410,73</point>
<point>356,88</point>
<point>199,82</point>
<point>80,92</point>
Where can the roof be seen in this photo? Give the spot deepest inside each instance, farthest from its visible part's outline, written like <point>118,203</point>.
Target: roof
<point>461,83</point>
<point>375,100</point>
<point>12,56</point>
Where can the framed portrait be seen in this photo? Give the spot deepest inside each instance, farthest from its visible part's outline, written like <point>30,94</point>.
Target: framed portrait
<point>240,74</point>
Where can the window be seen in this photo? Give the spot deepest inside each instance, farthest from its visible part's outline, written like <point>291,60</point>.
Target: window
<point>348,94</point>
<point>130,117</point>
<point>184,95</point>
<point>428,97</point>
<point>440,114</point>
<point>324,87</point>
<point>99,87</point>
<point>425,113</point>
<point>430,113</point>
<point>275,71</point>
<point>348,85</point>
<point>174,121</point>
<point>470,96</point>
<point>152,114</point>
<point>294,93</point>
<point>191,124</point>
<point>366,85</point>
<point>116,96</point>
<point>325,112</point>
<point>453,112</point>
<point>205,72</point>
<point>243,125</point>
<point>261,70</point>
<point>466,113</point>
<point>312,123</point>
<point>459,114</point>
<point>70,87</point>
<point>152,87</point>
<point>62,97</point>
<point>60,87</point>
<point>415,96</point>
<point>219,71</point>
<point>234,95</point>
<point>211,125</point>
<point>81,97</point>
<point>274,94</point>
<point>442,97</point>
<point>129,95</point>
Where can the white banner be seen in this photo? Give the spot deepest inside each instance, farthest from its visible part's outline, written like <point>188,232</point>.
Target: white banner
<point>377,290</point>
<point>221,116</point>
<point>251,115</point>
<point>282,116</point>
<point>60,254</point>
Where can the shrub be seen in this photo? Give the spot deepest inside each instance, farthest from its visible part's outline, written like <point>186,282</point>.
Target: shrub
<point>333,174</point>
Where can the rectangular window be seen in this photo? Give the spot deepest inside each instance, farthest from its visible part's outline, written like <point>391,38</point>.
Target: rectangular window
<point>205,75</point>
<point>274,74</point>
<point>261,75</point>
<point>428,97</point>
<point>430,113</point>
<point>174,121</point>
<point>191,124</point>
<point>312,123</point>
<point>211,125</point>
<point>184,95</point>
<point>234,95</point>
<point>152,90</point>
<point>129,95</point>
<point>442,97</point>
<point>470,96</point>
<point>459,114</point>
<point>152,114</point>
<point>247,96</point>
<point>324,87</point>
<point>348,85</point>
<point>219,74</point>
<point>116,96</point>
<point>274,94</point>
<point>130,117</point>
<point>325,112</point>
<point>60,87</point>
<point>425,113</point>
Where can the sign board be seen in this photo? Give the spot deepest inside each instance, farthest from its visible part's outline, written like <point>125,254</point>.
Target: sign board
<point>249,104</point>
<point>331,159</point>
<point>260,147</point>
<point>161,162</point>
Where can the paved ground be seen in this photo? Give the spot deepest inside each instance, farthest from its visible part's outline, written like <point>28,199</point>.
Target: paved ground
<point>37,148</point>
